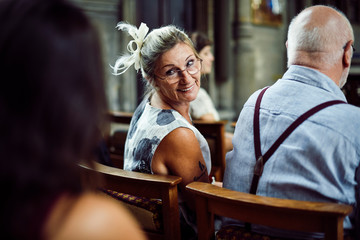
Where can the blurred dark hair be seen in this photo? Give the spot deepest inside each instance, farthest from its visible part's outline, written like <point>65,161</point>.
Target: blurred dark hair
<point>200,40</point>
<point>52,104</point>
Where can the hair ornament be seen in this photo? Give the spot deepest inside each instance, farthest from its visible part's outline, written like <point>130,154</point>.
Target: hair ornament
<point>139,34</point>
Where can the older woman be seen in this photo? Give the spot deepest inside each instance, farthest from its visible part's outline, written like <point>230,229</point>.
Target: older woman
<point>161,138</point>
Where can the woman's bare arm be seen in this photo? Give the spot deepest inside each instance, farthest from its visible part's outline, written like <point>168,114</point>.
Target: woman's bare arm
<point>179,154</point>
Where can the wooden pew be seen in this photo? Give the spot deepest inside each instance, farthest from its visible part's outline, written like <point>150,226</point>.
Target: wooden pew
<point>120,121</point>
<point>142,185</point>
<point>274,212</point>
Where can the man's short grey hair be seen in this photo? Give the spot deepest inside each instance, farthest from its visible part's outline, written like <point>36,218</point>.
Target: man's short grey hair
<point>323,42</point>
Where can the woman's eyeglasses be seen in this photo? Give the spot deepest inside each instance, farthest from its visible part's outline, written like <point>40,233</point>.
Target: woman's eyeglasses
<point>173,75</point>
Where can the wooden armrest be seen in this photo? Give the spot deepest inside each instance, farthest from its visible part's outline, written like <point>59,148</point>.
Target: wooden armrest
<point>241,198</point>
<point>273,212</point>
<point>142,184</point>
<point>130,176</point>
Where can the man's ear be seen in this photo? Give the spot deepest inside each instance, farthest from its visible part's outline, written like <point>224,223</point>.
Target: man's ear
<point>348,52</point>
<point>286,44</point>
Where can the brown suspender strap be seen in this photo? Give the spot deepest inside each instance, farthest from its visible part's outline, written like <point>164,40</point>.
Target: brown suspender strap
<point>259,165</point>
<point>261,159</point>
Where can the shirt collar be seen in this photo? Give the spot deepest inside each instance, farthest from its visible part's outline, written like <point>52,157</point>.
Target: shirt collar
<point>314,78</point>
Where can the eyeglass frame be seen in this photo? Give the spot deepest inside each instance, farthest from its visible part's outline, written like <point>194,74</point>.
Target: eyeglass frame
<point>182,70</point>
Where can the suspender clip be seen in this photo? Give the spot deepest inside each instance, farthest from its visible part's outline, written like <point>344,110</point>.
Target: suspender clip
<point>259,166</point>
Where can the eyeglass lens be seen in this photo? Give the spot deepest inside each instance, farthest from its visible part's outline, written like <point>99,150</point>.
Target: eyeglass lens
<point>191,69</point>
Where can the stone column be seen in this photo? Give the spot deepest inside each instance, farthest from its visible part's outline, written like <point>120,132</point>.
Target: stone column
<point>243,51</point>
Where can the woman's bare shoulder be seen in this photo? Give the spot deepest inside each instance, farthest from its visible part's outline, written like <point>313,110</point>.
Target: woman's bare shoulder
<point>93,216</point>
<point>179,133</point>
<point>180,141</point>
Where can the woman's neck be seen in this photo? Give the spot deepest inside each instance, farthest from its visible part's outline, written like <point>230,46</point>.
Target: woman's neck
<point>158,102</point>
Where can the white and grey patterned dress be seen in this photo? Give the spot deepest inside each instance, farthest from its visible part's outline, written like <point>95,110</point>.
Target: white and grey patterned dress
<point>148,127</point>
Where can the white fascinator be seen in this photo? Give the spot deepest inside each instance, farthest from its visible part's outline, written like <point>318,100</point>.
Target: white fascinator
<point>134,47</point>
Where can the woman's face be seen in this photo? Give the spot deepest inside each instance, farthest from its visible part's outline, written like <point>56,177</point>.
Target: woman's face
<point>208,58</point>
<point>175,84</point>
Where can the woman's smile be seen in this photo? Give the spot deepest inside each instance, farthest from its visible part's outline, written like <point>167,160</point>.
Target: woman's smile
<point>186,89</point>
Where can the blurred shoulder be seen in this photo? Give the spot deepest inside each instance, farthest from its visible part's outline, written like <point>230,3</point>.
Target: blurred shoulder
<point>203,93</point>
<point>91,216</point>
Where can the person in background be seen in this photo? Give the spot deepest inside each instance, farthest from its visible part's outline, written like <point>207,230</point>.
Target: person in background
<point>161,138</point>
<point>319,160</point>
<point>202,108</point>
<point>52,104</point>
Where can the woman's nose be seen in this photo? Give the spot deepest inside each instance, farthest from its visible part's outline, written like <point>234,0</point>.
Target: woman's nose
<point>211,57</point>
<point>185,76</point>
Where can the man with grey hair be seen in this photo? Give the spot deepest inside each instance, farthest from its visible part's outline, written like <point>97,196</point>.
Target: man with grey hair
<point>320,158</point>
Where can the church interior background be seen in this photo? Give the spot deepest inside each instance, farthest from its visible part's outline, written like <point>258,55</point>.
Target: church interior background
<point>248,43</point>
